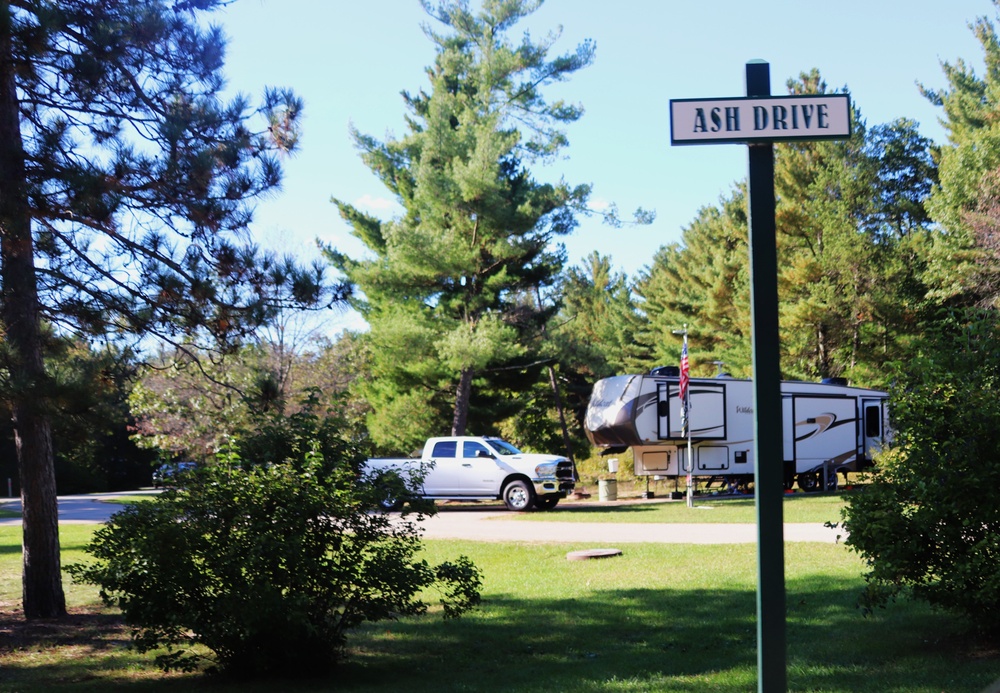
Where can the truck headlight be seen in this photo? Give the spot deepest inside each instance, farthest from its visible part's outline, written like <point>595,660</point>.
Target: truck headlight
<point>547,469</point>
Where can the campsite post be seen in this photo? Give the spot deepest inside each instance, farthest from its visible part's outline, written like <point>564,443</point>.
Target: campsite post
<point>768,470</point>
<point>759,120</point>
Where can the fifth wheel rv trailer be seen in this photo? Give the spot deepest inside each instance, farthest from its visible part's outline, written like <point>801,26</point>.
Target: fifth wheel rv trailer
<point>827,427</point>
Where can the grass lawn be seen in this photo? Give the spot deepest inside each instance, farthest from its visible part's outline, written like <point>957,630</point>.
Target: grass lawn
<point>127,500</point>
<point>799,507</point>
<point>658,618</point>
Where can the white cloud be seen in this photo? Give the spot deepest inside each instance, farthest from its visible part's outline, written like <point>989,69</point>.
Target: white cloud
<point>374,204</point>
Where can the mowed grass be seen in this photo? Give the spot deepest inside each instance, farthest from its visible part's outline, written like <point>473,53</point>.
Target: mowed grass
<point>797,508</point>
<point>657,618</point>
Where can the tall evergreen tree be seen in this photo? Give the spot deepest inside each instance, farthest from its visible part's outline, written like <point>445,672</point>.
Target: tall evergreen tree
<point>851,229</point>
<point>598,320</point>
<point>444,288</point>
<point>962,261</point>
<point>705,284</point>
<point>126,181</point>
<point>845,211</point>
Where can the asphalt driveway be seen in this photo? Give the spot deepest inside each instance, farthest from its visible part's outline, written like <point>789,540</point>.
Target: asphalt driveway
<point>492,523</point>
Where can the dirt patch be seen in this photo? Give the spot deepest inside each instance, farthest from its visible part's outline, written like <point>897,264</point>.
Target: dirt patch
<point>89,628</point>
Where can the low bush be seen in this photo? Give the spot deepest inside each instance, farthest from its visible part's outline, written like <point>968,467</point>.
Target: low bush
<point>928,524</point>
<point>266,566</point>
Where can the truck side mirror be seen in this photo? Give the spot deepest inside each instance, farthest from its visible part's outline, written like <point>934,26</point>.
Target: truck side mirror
<point>484,453</point>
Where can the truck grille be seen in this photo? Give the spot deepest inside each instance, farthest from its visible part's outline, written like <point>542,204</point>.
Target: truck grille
<point>566,475</point>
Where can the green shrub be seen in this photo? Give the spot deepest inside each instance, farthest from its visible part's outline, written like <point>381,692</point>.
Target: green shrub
<point>928,524</point>
<point>266,566</point>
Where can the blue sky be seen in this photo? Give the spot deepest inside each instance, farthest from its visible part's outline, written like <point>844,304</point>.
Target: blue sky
<point>349,60</point>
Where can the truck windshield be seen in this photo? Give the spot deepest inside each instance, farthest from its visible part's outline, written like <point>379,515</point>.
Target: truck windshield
<point>503,447</point>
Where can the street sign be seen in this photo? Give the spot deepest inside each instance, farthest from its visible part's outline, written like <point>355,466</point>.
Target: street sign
<point>769,119</point>
<point>759,120</point>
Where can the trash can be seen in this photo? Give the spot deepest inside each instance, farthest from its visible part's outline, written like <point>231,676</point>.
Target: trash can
<point>607,489</point>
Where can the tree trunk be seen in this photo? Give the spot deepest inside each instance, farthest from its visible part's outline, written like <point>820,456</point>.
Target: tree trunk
<point>562,414</point>
<point>462,396</point>
<point>822,353</point>
<point>41,577</point>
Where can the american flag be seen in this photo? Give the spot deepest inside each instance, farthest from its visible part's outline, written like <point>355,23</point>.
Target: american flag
<point>684,382</point>
<point>685,371</point>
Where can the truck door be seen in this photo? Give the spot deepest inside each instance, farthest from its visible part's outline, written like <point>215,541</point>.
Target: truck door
<point>478,471</point>
<point>444,478</point>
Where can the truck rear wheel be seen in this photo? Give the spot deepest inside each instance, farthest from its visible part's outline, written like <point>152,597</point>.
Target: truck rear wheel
<point>518,496</point>
<point>389,502</point>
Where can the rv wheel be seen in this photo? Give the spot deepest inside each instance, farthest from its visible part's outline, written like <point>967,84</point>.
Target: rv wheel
<point>808,482</point>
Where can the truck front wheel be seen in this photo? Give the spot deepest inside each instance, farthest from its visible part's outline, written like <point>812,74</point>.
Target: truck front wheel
<point>518,496</point>
<point>546,502</point>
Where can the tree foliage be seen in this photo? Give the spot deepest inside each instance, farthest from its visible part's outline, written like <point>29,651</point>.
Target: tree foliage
<point>928,524</point>
<point>91,421</point>
<point>268,566</point>
<point>705,284</point>
<point>851,234</point>
<point>128,183</point>
<point>192,403</point>
<point>598,320</point>
<point>444,291</point>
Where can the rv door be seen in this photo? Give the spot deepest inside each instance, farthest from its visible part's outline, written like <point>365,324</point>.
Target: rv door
<point>873,425</point>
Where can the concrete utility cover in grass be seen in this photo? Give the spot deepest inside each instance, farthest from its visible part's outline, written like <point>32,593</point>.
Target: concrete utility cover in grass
<point>592,553</point>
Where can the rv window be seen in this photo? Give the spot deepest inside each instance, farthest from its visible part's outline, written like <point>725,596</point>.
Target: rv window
<point>873,421</point>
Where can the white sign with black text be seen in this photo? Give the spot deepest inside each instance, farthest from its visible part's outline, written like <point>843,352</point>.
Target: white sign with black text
<point>769,119</point>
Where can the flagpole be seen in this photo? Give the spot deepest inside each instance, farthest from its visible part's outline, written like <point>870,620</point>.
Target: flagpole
<point>687,407</point>
<point>685,393</point>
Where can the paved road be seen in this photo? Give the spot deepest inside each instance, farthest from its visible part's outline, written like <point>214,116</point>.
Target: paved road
<point>491,523</point>
<point>448,525</point>
<point>77,509</point>
<point>498,525</point>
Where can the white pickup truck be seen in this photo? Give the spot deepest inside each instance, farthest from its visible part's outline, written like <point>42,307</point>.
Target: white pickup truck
<point>479,468</point>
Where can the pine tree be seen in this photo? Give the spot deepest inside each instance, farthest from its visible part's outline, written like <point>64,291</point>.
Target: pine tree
<point>444,290</point>
<point>845,211</point>
<point>851,231</point>
<point>598,320</point>
<point>705,284</point>
<point>126,185</point>
<point>962,261</point>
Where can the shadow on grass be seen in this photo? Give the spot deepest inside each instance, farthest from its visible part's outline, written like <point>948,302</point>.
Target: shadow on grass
<point>89,631</point>
<point>599,641</point>
<point>664,640</point>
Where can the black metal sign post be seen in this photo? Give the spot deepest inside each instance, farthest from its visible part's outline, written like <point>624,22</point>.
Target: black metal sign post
<point>769,468</point>
<point>759,120</point>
